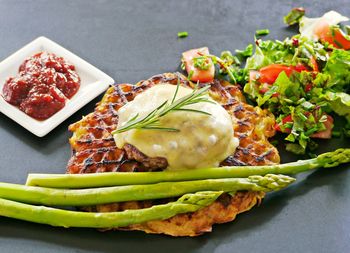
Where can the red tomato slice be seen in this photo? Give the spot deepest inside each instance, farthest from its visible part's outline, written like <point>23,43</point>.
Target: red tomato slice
<point>287,119</point>
<point>264,87</point>
<point>202,76</point>
<point>270,73</point>
<point>326,134</point>
<point>333,36</point>
<point>300,67</point>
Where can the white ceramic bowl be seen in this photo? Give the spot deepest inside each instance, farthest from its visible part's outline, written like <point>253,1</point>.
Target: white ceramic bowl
<point>93,83</point>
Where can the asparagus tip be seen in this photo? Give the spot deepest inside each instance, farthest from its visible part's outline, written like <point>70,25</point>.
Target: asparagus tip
<point>334,158</point>
<point>203,198</point>
<point>272,182</point>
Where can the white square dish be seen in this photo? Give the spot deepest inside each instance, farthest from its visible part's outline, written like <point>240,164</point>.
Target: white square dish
<point>93,83</point>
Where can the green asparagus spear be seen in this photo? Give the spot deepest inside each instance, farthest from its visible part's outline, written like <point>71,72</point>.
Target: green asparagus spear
<point>94,196</point>
<point>330,159</point>
<point>63,218</point>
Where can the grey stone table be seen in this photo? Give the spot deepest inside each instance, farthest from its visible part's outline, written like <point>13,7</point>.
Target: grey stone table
<point>133,40</point>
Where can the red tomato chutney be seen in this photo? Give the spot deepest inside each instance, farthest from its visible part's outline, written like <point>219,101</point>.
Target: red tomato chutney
<point>43,85</point>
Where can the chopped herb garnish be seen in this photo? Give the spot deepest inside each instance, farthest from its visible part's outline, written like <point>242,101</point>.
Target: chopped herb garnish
<point>182,34</point>
<point>262,32</point>
<point>190,75</point>
<point>202,62</point>
<point>247,52</point>
<point>288,125</point>
<point>338,43</point>
<point>183,67</point>
<point>225,66</point>
<point>294,16</point>
<point>229,59</point>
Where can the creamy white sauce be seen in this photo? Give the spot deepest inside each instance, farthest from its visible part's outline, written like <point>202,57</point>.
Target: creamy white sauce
<point>203,140</point>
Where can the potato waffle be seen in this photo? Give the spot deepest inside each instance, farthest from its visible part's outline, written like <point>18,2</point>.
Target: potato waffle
<point>94,151</point>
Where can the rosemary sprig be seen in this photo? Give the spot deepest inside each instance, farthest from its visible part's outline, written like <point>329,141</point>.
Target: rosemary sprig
<point>152,120</point>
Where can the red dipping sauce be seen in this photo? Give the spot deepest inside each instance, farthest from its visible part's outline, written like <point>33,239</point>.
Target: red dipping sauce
<point>43,85</point>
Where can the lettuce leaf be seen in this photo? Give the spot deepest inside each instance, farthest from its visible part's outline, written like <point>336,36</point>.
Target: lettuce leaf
<point>283,86</point>
<point>338,67</point>
<point>339,102</point>
<point>258,60</point>
<point>290,52</point>
<point>268,52</point>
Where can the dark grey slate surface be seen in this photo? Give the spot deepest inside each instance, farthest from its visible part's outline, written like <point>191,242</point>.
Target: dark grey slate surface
<point>133,40</point>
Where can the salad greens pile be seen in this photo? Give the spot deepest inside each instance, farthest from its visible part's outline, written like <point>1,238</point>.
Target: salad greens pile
<point>304,80</point>
<point>294,90</point>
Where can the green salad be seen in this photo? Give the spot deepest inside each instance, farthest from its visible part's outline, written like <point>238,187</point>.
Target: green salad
<point>304,80</point>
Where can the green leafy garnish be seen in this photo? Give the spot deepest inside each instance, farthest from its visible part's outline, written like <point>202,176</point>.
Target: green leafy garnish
<point>247,52</point>
<point>288,52</point>
<point>202,62</point>
<point>225,62</point>
<point>339,102</point>
<point>152,120</point>
<point>182,34</point>
<point>294,16</point>
<point>297,97</point>
<point>262,32</point>
<point>229,59</point>
<point>338,67</point>
<point>189,76</point>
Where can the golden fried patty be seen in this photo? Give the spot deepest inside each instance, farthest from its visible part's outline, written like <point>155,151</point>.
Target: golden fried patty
<point>94,150</point>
